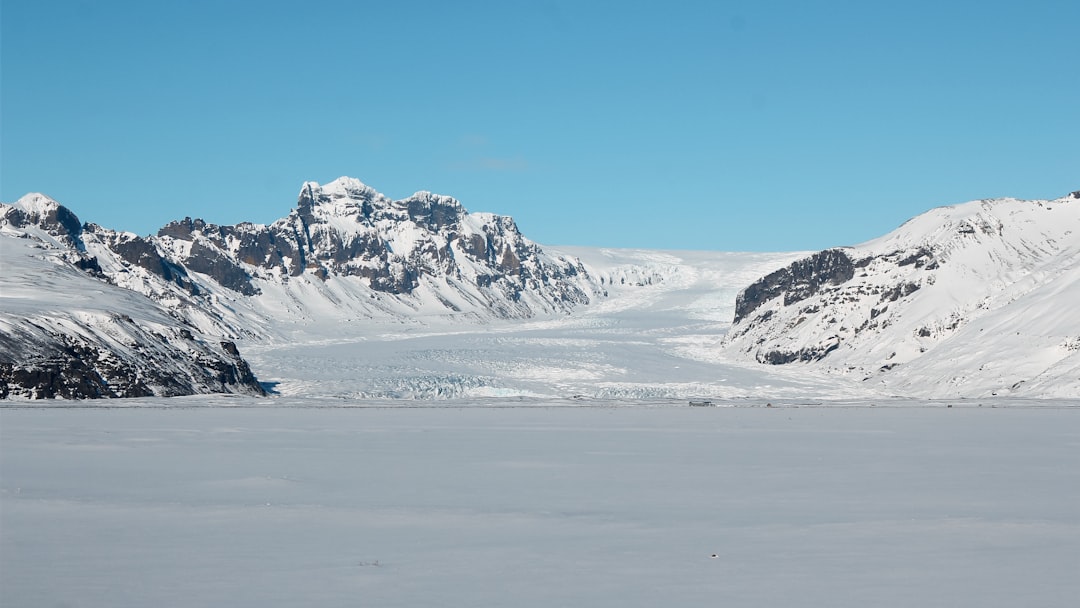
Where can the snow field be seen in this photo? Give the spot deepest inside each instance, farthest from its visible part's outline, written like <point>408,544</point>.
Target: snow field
<point>541,506</point>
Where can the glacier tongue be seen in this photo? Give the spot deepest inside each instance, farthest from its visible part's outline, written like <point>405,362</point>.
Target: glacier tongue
<point>655,337</point>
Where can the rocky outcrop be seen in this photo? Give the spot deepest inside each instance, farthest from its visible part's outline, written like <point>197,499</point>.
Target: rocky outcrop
<point>808,310</point>
<point>143,253</point>
<point>797,282</point>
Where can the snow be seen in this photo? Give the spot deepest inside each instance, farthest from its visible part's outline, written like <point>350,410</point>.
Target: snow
<point>986,320</point>
<point>656,335</point>
<point>35,285</point>
<point>985,315</point>
<point>412,455</point>
<point>35,203</point>
<point>48,308</point>
<point>164,503</point>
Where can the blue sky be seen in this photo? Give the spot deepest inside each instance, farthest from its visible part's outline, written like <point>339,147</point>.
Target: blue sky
<point>739,125</point>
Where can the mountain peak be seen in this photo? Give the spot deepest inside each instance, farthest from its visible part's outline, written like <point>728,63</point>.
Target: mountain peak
<point>36,202</point>
<point>345,196</point>
<point>40,210</point>
<point>342,187</point>
<point>346,184</point>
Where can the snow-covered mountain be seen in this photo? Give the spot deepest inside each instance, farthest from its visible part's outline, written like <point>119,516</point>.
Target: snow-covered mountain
<point>347,249</point>
<point>968,300</point>
<point>345,253</point>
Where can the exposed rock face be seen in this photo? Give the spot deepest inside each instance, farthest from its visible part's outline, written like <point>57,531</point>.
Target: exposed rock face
<point>348,229</point>
<point>141,253</point>
<point>797,282</point>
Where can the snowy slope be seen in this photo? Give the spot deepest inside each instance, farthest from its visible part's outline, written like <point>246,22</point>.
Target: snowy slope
<point>969,300</point>
<point>64,333</point>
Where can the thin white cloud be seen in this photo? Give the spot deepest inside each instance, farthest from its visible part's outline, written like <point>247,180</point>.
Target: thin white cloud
<point>490,163</point>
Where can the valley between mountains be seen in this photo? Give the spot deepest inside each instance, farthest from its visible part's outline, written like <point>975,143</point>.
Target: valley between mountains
<point>354,296</point>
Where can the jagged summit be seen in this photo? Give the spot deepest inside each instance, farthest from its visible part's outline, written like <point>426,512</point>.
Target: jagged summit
<point>345,186</point>
<point>348,197</point>
<point>342,196</point>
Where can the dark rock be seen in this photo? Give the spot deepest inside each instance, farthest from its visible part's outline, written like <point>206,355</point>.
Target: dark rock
<point>141,252</point>
<point>38,363</point>
<point>805,355</point>
<point>919,257</point>
<point>797,282</point>
<point>213,263</point>
<point>900,291</point>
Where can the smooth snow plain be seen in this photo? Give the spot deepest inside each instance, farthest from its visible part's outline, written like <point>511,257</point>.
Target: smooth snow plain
<point>549,463</point>
<point>921,505</point>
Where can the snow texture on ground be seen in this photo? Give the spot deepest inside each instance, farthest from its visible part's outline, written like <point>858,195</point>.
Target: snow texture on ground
<point>656,336</point>
<point>168,503</point>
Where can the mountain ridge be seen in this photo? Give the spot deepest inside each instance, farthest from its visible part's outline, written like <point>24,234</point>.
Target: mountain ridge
<point>343,254</point>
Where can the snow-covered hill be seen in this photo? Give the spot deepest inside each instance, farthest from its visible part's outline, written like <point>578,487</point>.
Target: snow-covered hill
<point>65,333</point>
<point>969,300</point>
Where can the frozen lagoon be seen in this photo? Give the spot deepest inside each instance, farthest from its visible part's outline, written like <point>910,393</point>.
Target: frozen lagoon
<point>539,506</point>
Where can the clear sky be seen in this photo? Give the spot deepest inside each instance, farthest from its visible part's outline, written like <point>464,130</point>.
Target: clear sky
<point>726,125</point>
